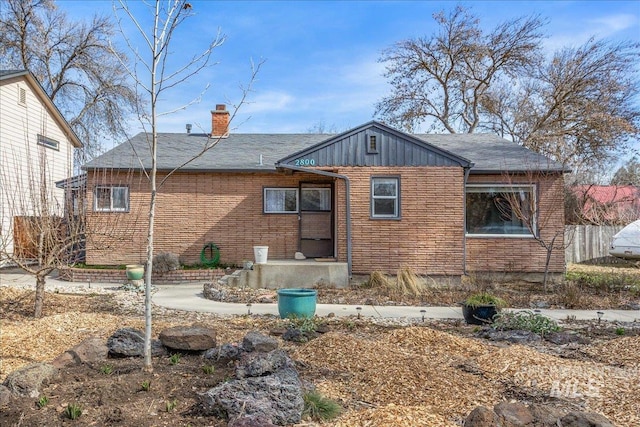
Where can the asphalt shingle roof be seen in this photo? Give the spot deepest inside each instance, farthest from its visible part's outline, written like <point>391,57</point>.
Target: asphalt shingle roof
<point>242,152</point>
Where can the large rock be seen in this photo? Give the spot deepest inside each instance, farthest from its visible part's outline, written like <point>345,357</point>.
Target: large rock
<point>252,421</point>
<point>224,352</point>
<point>26,382</point>
<point>276,398</point>
<point>192,338</point>
<point>585,419</point>
<point>5,395</point>
<point>129,342</point>
<point>481,417</point>
<point>90,350</point>
<point>513,414</point>
<point>255,341</point>
<point>259,364</point>
<point>512,336</point>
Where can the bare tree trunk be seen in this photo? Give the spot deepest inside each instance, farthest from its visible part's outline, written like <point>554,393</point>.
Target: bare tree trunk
<point>40,282</point>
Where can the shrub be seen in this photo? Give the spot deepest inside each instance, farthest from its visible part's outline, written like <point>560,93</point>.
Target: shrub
<point>525,320</point>
<point>165,262</point>
<point>319,408</point>
<point>484,298</point>
<point>175,358</point>
<point>208,369</point>
<point>73,411</point>
<point>42,402</point>
<point>604,281</point>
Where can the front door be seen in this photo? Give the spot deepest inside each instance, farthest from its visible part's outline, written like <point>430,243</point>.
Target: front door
<point>316,220</point>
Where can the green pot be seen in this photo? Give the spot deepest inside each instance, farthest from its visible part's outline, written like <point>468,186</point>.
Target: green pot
<point>135,272</point>
<point>297,302</point>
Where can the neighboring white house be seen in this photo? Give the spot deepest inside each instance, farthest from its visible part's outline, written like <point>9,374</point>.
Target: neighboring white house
<point>36,150</point>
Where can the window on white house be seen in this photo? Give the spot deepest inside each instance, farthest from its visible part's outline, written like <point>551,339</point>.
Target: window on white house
<point>111,199</point>
<point>500,210</point>
<point>280,200</point>
<point>48,142</point>
<point>385,197</point>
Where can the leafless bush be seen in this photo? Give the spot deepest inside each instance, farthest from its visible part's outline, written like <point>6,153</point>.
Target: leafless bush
<point>165,262</point>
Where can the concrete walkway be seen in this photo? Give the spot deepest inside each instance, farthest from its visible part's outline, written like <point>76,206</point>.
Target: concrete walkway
<point>189,297</point>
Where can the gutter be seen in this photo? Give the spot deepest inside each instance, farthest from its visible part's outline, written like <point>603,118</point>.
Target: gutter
<point>467,170</point>
<point>347,202</point>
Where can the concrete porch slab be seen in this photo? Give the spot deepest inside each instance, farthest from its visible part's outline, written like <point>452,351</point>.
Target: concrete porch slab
<point>308,273</point>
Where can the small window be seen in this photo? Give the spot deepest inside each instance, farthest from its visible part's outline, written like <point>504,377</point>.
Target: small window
<point>372,144</point>
<point>315,199</point>
<point>111,199</point>
<point>385,197</point>
<point>22,96</point>
<point>499,210</point>
<point>48,142</point>
<point>280,200</point>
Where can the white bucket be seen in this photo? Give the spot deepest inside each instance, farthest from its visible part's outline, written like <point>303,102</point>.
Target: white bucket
<point>260,253</point>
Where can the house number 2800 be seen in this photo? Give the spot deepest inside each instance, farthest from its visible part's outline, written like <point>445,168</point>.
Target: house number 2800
<point>305,162</point>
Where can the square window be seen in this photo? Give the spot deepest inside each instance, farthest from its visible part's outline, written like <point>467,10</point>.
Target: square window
<point>280,200</point>
<point>385,197</point>
<point>111,199</point>
<point>500,210</point>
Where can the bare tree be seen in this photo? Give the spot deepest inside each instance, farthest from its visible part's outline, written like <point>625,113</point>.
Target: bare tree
<point>545,223</point>
<point>160,76</point>
<point>628,173</point>
<point>577,106</point>
<point>444,78</point>
<point>75,63</point>
<point>46,227</point>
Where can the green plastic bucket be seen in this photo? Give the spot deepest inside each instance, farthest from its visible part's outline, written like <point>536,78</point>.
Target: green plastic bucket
<point>297,302</point>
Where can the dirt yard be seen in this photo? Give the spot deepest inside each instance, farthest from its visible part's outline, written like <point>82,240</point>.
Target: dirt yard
<point>381,374</point>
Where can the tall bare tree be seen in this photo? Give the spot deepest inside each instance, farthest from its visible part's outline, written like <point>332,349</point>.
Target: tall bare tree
<point>577,106</point>
<point>443,78</point>
<point>159,76</point>
<point>628,173</point>
<point>75,63</point>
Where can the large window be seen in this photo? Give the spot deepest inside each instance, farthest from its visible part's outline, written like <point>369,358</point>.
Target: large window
<point>500,210</point>
<point>111,199</point>
<point>48,142</point>
<point>385,197</point>
<point>280,200</point>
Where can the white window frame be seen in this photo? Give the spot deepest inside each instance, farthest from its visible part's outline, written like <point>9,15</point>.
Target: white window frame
<point>396,198</point>
<point>111,208</point>
<point>51,143</point>
<point>530,188</point>
<point>265,208</point>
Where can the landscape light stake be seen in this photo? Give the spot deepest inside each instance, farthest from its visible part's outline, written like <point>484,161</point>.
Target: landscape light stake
<point>600,314</point>
<point>423,311</point>
<point>249,309</point>
<point>358,309</point>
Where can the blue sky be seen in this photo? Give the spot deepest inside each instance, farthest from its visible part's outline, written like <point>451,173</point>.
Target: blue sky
<point>321,56</point>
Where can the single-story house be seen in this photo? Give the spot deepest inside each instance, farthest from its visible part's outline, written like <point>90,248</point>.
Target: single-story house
<point>374,197</point>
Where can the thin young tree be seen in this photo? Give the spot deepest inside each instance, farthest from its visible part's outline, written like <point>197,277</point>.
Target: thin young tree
<point>160,76</point>
<point>545,223</point>
<point>75,63</point>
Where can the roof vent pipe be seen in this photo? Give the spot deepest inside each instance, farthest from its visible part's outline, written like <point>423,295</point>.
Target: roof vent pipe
<point>261,160</point>
<point>188,126</point>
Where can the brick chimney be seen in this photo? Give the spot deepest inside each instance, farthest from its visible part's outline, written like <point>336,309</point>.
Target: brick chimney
<point>220,121</point>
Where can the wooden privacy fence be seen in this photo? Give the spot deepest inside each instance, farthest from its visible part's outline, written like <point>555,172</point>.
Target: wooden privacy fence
<point>589,242</point>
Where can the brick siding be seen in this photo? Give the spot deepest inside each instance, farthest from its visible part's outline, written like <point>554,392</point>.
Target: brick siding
<point>194,209</point>
<point>120,276</point>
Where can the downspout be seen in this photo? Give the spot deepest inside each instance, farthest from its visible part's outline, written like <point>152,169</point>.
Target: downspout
<point>347,201</point>
<point>464,219</point>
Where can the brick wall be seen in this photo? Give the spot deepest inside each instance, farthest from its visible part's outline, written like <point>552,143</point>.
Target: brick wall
<point>429,236</point>
<point>194,209</point>
<point>515,255</point>
<point>87,275</point>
